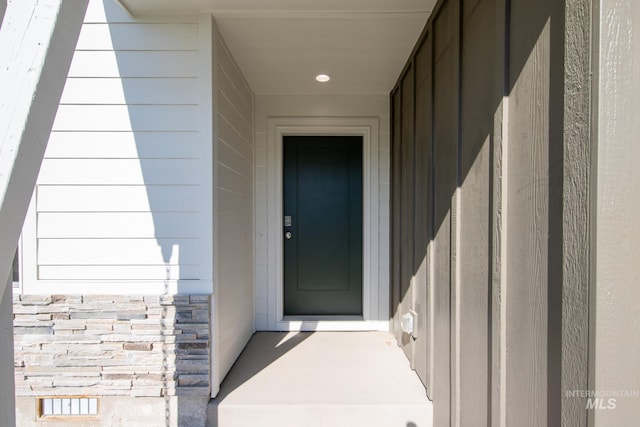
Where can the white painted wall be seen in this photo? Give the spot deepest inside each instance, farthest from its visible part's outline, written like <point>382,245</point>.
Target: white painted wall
<point>316,108</point>
<point>121,203</point>
<point>233,109</point>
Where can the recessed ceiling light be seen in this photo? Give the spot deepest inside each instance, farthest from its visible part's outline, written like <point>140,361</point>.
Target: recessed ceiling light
<point>323,78</point>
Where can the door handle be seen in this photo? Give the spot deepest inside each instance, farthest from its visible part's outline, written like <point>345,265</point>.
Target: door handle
<point>288,235</point>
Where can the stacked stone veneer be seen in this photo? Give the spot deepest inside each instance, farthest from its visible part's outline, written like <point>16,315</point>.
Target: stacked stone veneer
<point>112,345</point>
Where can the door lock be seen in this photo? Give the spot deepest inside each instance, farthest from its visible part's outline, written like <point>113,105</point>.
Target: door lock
<point>288,235</point>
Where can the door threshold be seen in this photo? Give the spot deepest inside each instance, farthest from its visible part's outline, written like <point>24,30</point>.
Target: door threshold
<point>330,323</point>
<point>313,318</point>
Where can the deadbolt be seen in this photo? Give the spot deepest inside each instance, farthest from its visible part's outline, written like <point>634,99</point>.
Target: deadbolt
<point>288,235</point>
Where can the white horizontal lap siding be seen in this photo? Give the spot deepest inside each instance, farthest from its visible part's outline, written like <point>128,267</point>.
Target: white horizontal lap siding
<point>118,195</point>
<point>113,251</point>
<point>118,198</point>
<point>126,118</point>
<point>119,172</point>
<point>141,64</point>
<point>123,145</point>
<point>234,209</point>
<point>116,225</point>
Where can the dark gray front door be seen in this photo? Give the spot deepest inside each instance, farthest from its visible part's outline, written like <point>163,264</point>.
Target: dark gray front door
<point>322,225</point>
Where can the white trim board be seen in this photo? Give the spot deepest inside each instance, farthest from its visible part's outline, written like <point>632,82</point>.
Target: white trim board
<point>368,128</point>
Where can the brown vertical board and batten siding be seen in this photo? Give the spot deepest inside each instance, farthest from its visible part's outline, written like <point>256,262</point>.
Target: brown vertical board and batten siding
<point>493,192</point>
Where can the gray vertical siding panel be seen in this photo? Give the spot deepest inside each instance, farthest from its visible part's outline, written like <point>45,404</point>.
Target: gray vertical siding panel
<point>407,203</point>
<point>479,101</point>
<point>497,343</point>
<point>501,233</point>
<point>534,220</point>
<point>396,161</point>
<point>615,294</point>
<point>423,195</point>
<point>455,262</point>
<point>445,142</point>
<point>575,297</point>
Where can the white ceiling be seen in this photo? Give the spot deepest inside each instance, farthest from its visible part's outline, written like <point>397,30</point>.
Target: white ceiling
<point>281,45</point>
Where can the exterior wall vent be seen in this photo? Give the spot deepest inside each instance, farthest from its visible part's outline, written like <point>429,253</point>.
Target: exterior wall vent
<point>68,406</point>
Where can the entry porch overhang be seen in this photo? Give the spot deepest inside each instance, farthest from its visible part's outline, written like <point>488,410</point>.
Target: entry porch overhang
<point>282,45</point>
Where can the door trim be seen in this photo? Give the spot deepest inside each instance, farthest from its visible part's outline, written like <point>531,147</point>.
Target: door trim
<point>368,129</point>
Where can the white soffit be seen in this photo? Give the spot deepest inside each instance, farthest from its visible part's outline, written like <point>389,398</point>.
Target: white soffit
<point>281,45</point>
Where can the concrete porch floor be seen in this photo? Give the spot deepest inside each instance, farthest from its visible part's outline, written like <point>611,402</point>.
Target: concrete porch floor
<point>312,379</point>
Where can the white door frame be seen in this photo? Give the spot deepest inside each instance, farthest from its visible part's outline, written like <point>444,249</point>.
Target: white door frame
<point>368,128</point>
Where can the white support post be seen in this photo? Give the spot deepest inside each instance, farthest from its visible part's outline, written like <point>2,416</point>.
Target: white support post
<point>37,41</point>
<point>7,380</point>
<point>3,7</point>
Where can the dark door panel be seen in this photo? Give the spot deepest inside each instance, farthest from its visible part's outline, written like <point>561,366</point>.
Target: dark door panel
<point>323,243</point>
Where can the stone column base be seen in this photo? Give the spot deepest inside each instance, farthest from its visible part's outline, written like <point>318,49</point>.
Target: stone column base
<point>173,411</point>
<point>146,359</point>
